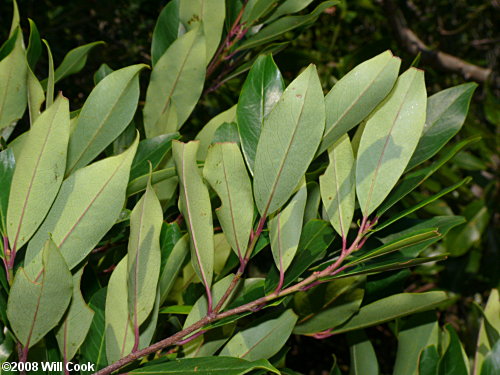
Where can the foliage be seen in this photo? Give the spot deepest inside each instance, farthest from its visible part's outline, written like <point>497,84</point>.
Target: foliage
<point>289,214</point>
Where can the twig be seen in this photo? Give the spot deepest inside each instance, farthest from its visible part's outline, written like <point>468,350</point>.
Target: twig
<point>414,45</point>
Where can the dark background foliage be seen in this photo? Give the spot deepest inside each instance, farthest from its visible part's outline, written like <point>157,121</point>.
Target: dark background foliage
<point>342,37</point>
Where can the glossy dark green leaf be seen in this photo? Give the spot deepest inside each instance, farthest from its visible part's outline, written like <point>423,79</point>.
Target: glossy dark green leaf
<point>317,235</point>
<point>151,150</point>
<point>453,360</point>
<point>429,361</point>
<point>356,94</point>
<point>50,80</point>
<point>263,340</point>
<point>8,45</point>
<point>492,313</point>
<point>289,7</point>
<point>174,249</point>
<point>227,132</point>
<point>491,364</point>
<point>389,140</point>
<point>93,348</point>
<point>255,10</point>
<point>34,49</point>
<point>283,25</point>
<point>7,166</point>
<point>422,203</point>
<point>392,307</point>
<point>414,179</point>
<point>206,366</point>
<point>363,357</point>
<point>446,112</point>
<point>166,30</point>
<point>101,73</point>
<point>259,94</point>
<point>139,184</point>
<point>417,332</point>
<point>288,142</point>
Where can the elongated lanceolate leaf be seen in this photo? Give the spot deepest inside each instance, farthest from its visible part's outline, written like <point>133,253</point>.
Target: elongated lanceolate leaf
<point>34,49</point>
<point>36,305</point>
<point>263,340</point>
<point>453,360</point>
<point>289,7</point>
<point>363,356</point>
<point>144,255</point>
<point>491,317</point>
<point>338,186</point>
<point>50,79</point>
<point>172,257</point>
<point>93,348</point>
<point>119,329</point>
<point>7,166</point>
<point>392,307</point>
<point>39,173</point>
<point>446,112</point>
<point>76,324</point>
<point>166,30</point>
<point>36,96</point>
<point>389,139</point>
<point>194,204</point>
<point>211,14</point>
<point>13,97</point>
<point>255,10</point>
<point>260,92</point>
<point>176,84</point>
<point>225,171</point>
<point>285,229</point>
<point>87,206</point>
<point>206,134</point>
<point>352,98</point>
<point>139,184</point>
<point>106,113</point>
<point>288,142</point>
<point>74,61</point>
<point>206,366</point>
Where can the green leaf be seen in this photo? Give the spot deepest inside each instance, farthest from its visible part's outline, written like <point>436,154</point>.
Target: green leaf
<point>144,255</point>
<point>167,29</point>
<point>227,132</point>
<point>206,135</point>
<point>389,139</point>
<point>260,92</point>
<point>74,61</point>
<point>261,341</point>
<point>285,229</point>
<point>7,166</point>
<point>225,171</point>
<point>313,201</point>
<point>492,314</point>
<point>412,180</point>
<point>8,45</point>
<point>355,96</point>
<point>34,50</point>
<point>206,366</point>
<point>392,307</point>
<point>316,237</point>
<point>283,25</point>
<point>491,364</point>
<point>417,333</point>
<point>289,7</point>
<point>119,329</point>
<point>176,84</point>
<point>446,112</point>
<point>453,361</point>
<point>288,141</point>
<point>76,324</point>
<point>50,79</point>
<point>15,18</point>
<point>172,257</point>
<point>423,203</point>
<point>194,204</point>
<point>87,206</point>
<point>13,91</point>
<point>139,184</point>
<point>255,10</point>
<point>36,96</point>
<point>342,298</point>
<point>338,186</point>
<point>211,14</point>
<point>93,349</point>
<point>39,173</point>
<point>106,113</point>
<point>363,357</point>
<point>152,150</point>
<point>36,305</point>
<point>429,360</point>
<point>101,73</point>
